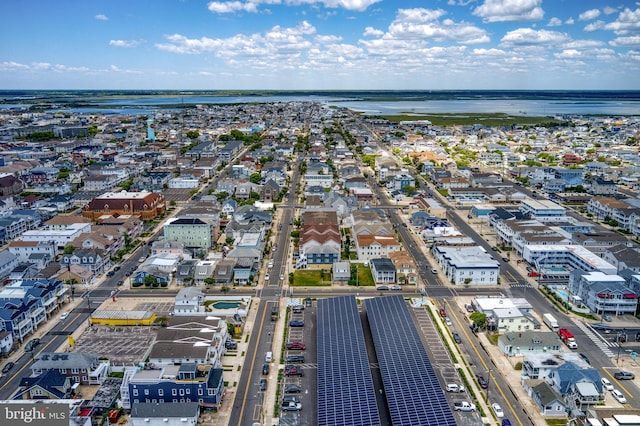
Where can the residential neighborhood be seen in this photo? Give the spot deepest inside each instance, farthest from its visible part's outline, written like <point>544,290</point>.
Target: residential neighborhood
<point>154,260</point>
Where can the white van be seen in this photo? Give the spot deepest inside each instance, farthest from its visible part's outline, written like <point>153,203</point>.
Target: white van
<point>268,357</point>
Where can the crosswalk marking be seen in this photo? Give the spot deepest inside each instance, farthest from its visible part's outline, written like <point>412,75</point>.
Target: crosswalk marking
<point>604,345</point>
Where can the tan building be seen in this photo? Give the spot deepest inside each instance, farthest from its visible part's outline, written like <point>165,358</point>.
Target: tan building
<point>145,205</point>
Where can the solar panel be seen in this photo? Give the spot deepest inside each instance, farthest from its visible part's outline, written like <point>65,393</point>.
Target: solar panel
<point>412,391</point>
<point>346,395</point>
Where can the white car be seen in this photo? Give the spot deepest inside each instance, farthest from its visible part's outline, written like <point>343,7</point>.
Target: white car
<point>266,277</point>
<point>454,387</point>
<point>448,321</point>
<point>606,384</point>
<point>64,315</point>
<point>619,396</point>
<point>498,410</point>
<point>282,277</point>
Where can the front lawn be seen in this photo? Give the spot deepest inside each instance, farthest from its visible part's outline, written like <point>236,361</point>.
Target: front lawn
<point>311,278</point>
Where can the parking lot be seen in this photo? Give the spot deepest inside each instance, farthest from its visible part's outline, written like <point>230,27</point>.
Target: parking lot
<point>122,345</point>
<point>307,383</point>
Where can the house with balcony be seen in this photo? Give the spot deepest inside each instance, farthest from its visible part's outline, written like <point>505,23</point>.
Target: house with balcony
<point>383,271</point>
<point>79,367</point>
<point>371,246</point>
<point>467,265</point>
<point>406,270</point>
<point>59,237</point>
<point>602,293</point>
<point>192,232</point>
<point>175,384</point>
<point>92,260</point>
<point>189,301</point>
<point>542,210</point>
<point>577,384</point>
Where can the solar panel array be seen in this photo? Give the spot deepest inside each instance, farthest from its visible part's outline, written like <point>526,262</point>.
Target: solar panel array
<point>414,395</point>
<point>346,395</point>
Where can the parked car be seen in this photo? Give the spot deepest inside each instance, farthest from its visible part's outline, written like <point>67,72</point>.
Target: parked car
<point>482,381</point>
<point>292,389</point>
<point>63,316</point>
<point>624,375</point>
<point>448,321</point>
<point>297,309</point>
<point>292,406</point>
<point>497,409</point>
<point>265,369</point>
<point>111,273</point>
<point>619,396</point>
<point>606,384</point>
<point>456,338</point>
<point>294,358</point>
<point>454,387</point>
<point>443,313</point>
<point>290,398</point>
<point>505,259</point>
<point>296,323</point>
<point>7,367</point>
<point>396,287</point>
<point>282,277</point>
<point>382,287</point>
<point>296,345</point>
<point>292,370</point>
<point>263,384</point>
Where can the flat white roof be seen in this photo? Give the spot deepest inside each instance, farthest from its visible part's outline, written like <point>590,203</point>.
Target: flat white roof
<point>125,195</point>
<point>589,257</point>
<point>493,303</point>
<point>542,204</point>
<point>597,276</point>
<point>469,257</point>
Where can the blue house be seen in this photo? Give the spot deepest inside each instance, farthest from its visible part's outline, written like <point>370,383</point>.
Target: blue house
<point>49,385</point>
<point>174,383</point>
<point>580,384</point>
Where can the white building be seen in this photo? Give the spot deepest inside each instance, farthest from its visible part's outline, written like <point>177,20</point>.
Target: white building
<point>565,256</point>
<point>183,183</point>
<point>60,237</point>
<point>467,265</point>
<point>542,210</point>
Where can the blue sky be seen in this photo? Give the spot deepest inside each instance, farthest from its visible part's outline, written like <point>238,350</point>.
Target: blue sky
<point>312,44</point>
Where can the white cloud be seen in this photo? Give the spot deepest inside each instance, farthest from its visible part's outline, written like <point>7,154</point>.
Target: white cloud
<point>125,43</point>
<point>589,15</point>
<point>608,10</point>
<point>554,22</point>
<point>626,41</point>
<point>568,54</point>
<point>423,24</point>
<point>370,31</point>
<point>510,10</point>
<point>594,26</point>
<point>488,52</point>
<point>628,21</point>
<point>252,6</point>
<point>530,37</point>
<point>13,66</point>
<point>569,21</point>
<point>101,17</point>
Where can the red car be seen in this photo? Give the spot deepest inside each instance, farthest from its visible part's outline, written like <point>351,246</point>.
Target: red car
<point>290,370</point>
<point>296,345</point>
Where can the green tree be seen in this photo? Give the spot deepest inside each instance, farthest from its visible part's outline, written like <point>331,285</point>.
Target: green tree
<point>479,319</point>
<point>68,250</point>
<point>255,178</point>
<point>193,134</point>
<point>151,281</point>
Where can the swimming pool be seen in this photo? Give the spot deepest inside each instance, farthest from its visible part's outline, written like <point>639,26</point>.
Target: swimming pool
<point>563,294</point>
<point>225,305</point>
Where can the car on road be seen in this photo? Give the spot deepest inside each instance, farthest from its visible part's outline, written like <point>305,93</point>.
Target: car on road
<point>505,259</point>
<point>296,345</point>
<point>606,384</point>
<point>142,259</point>
<point>607,318</point>
<point>584,358</point>
<point>265,369</point>
<point>296,323</point>
<point>619,396</point>
<point>494,248</point>
<point>456,338</point>
<point>64,315</point>
<point>443,313</point>
<point>382,288</point>
<point>434,271</point>
<point>31,344</point>
<point>7,367</point>
<point>294,358</point>
<point>497,409</point>
<point>111,273</point>
<point>266,277</point>
<point>396,287</point>
<point>624,375</point>
<point>448,321</point>
<point>263,384</point>
<point>482,381</point>
<point>292,389</point>
<point>292,406</point>
<point>292,370</point>
<point>120,282</point>
<point>282,277</point>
